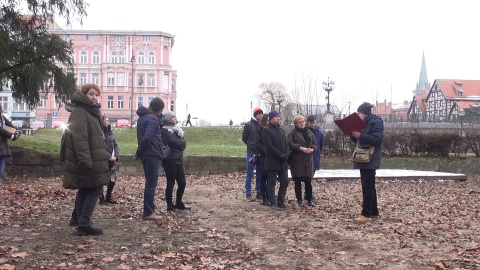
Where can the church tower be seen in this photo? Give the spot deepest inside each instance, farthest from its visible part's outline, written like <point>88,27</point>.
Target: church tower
<point>423,86</point>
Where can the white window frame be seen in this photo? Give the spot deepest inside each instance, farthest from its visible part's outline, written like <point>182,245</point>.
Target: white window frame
<point>151,80</point>
<point>110,102</point>
<point>141,58</point>
<point>146,38</point>
<point>151,58</point>
<point>110,78</point>
<point>96,57</point>
<point>83,78</point>
<point>121,79</point>
<point>96,78</point>
<point>120,102</point>
<point>83,57</point>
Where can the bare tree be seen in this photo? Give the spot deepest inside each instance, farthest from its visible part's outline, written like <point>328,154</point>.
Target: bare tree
<point>307,95</point>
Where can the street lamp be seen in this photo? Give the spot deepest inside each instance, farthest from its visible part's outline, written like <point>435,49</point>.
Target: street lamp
<point>132,60</point>
<point>328,86</point>
<point>461,113</point>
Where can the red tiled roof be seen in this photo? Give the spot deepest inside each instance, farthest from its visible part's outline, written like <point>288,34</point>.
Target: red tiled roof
<point>421,101</point>
<point>451,89</point>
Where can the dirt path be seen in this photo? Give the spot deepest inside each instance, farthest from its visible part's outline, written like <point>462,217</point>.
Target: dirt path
<point>425,225</point>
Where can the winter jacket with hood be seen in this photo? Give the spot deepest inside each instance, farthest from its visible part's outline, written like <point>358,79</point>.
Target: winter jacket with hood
<point>86,161</point>
<point>177,143</point>
<point>149,137</point>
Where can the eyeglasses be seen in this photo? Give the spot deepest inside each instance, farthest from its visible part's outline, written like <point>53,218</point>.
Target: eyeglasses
<point>301,122</point>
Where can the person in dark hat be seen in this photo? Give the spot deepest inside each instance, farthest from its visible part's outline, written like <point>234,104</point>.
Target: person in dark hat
<point>149,151</point>
<point>248,137</point>
<point>372,135</point>
<point>276,157</point>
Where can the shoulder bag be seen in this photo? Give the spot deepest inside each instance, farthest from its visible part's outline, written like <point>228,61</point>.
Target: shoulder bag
<point>363,155</point>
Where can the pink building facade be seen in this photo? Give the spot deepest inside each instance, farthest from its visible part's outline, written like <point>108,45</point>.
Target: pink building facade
<point>130,67</point>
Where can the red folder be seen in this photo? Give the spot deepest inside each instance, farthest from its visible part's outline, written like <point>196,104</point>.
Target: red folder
<point>351,123</point>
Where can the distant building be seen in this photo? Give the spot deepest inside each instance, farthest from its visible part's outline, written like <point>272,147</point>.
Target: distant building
<point>397,112</point>
<point>130,67</point>
<point>417,111</point>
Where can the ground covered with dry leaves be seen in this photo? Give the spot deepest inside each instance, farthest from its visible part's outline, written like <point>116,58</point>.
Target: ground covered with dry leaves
<point>425,224</point>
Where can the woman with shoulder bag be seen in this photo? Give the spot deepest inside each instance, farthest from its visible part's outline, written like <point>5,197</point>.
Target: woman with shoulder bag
<point>172,137</point>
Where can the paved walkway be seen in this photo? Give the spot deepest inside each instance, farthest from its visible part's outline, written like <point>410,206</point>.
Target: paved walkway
<point>388,174</point>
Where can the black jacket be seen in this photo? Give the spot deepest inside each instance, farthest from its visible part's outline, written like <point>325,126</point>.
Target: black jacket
<point>248,134</point>
<point>177,144</point>
<point>260,150</point>
<point>276,146</point>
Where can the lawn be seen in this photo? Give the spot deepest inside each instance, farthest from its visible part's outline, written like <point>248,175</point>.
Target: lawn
<point>201,141</point>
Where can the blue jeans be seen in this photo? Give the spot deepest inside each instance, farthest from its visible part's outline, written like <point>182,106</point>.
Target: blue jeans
<point>248,179</point>
<point>151,166</point>
<point>2,167</point>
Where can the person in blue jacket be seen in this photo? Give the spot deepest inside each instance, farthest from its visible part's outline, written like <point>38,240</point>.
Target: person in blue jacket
<point>149,139</point>
<point>372,135</point>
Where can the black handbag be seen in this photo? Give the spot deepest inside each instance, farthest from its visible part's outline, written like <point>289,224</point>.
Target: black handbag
<point>253,159</point>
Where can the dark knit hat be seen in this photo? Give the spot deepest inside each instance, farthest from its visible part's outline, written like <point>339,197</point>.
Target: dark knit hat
<point>257,111</point>
<point>167,116</point>
<point>272,114</point>
<point>365,108</point>
<point>157,104</point>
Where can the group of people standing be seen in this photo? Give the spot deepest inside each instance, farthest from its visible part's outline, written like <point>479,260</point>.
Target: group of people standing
<point>300,150</point>
<point>89,151</point>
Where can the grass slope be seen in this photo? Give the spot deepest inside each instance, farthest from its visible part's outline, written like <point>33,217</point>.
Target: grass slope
<point>201,141</point>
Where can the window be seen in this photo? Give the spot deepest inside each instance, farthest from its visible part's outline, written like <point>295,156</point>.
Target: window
<point>96,57</point>
<point>83,57</point>
<point>141,58</point>
<point>4,102</point>
<point>114,57</point>
<point>146,38</point>
<point>140,79</point>
<point>95,78</point>
<point>140,101</point>
<point>121,79</point>
<point>65,37</point>
<point>173,85</point>
<point>20,106</point>
<point>121,57</point>
<point>120,102</point>
<point>151,58</point>
<point>43,102</point>
<point>172,108</point>
<point>165,83</point>
<point>111,78</point>
<point>83,78</point>
<point>110,102</point>
<point>117,38</point>
<point>90,38</point>
<point>151,80</point>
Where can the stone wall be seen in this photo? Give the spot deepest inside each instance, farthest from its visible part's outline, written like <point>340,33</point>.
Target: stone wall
<point>33,163</point>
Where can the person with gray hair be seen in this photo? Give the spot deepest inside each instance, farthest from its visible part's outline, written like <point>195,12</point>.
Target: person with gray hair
<point>372,135</point>
<point>172,162</point>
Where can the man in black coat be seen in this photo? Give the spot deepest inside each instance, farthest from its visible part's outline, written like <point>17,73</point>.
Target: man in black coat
<point>248,137</point>
<point>276,158</point>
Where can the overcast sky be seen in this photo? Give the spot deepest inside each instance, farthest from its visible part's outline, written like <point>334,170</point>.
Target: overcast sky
<point>372,50</point>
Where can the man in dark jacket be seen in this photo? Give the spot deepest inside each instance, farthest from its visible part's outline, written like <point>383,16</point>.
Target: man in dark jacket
<point>248,137</point>
<point>312,125</point>
<point>276,158</point>
<point>6,135</point>
<point>149,150</point>
<point>372,135</point>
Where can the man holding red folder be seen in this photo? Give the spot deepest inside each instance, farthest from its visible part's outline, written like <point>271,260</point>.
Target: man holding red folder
<point>371,135</point>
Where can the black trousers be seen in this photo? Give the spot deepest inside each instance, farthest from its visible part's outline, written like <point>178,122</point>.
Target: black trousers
<point>174,173</point>
<point>308,188</point>
<point>369,206</point>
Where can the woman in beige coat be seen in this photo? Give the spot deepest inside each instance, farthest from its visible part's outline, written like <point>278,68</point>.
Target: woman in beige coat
<point>302,143</point>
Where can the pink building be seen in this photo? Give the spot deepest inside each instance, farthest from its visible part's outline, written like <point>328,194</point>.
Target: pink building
<point>111,59</point>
